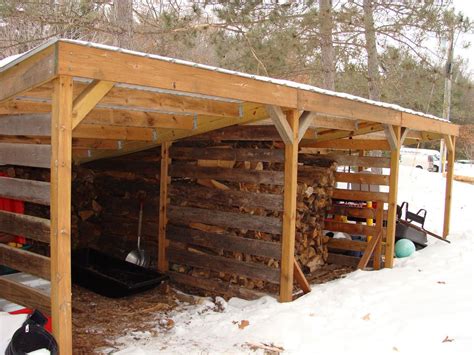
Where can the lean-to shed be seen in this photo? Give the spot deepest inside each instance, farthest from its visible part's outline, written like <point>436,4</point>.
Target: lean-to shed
<point>69,102</point>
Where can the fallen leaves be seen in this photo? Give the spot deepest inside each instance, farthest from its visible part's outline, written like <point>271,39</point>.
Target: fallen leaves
<point>243,324</point>
<point>366,317</point>
<point>442,282</point>
<point>447,340</point>
<point>269,349</point>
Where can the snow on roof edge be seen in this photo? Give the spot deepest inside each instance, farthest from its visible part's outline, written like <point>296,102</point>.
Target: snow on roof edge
<point>282,82</point>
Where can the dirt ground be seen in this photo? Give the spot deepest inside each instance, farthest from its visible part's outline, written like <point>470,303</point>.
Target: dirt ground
<point>98,320</point>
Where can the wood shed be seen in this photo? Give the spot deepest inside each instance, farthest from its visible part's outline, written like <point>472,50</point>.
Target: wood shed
<point>206,137</point>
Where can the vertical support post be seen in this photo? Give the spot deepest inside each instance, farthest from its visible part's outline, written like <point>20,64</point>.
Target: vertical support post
<point>392,198</point>
<point>60,209</point>
<point>449,185</point>
<point>164,180</point>
<point>289,213</point>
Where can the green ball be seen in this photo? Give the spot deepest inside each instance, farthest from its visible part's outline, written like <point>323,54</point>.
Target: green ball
<point>404,248</point>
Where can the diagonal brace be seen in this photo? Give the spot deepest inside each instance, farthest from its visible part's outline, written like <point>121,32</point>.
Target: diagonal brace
<point>280,122</point>
<point>88,98</point>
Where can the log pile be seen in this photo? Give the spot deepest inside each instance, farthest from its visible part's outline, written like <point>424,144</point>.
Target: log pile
<point>228,198</point>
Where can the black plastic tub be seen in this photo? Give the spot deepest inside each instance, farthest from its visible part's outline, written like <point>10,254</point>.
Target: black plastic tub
<point>109,276</point>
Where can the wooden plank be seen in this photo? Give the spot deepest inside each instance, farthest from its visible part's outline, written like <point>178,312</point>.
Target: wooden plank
<point>25,190</point>
<point>449,188</point>
<point>281,124</point>
<point>226,174</point>
<point>344,124</point>
<point>361,178</point>
<point>116,132</point>
<point>225,241</point>
<point>378,248</point>
<point>254,132</point>
<point>301,279</point>
<point>223,264</point>
<point>369,250</point>
<point>392,201</point>
<point>216,286</point>
<point>289,211</point>
<point>24,295</point>
<point>350,228</point>
<point>102,64</point>
<point>34,155</point>
<point>424,124</point>
<point>347,244</point>
<point>246,199</point>
<point>27,74</point>
<point>306,119</point>
<point>60,211</point>
<point>186,215</point>
<point>344,260</point>
<point>237,154</point>
<point>27,226</point>
<point>146,99</point>
<point>162,218</point>
<point>22,260</point>
<point>349,160</point>
<point>346,144</point>
<point>354,195</point>
<point>364,129</point>
<point>358,212</point>
<point>26,125</point>
<point>391,137</point>
<point>88,98</point>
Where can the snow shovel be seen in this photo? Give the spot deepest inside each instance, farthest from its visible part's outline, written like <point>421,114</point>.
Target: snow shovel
<point>139,256</point>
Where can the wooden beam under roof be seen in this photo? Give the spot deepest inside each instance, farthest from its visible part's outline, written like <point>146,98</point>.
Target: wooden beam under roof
<point>88,99</point>
<point>147,99</point>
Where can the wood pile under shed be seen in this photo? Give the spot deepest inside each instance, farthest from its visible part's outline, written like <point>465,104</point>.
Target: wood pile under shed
<point>225,215</point>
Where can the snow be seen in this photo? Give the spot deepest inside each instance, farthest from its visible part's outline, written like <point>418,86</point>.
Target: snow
<point>421,306</point>
<point>281,82</point>
<point>464,169</point>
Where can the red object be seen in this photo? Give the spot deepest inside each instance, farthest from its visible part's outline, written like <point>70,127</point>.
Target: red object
<point>47,326</point>
<point>7,204</point>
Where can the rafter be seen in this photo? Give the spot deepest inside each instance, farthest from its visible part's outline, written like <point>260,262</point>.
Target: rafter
<point>280,122</point>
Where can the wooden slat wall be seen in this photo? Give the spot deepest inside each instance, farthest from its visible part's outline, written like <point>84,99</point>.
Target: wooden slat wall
<point>25,261</point>
<point>223,210</point>
<point>25,190</point>
<point>354,164</point>
<point>24,295</point>
<point>34,155</point>
<point>28,226</point>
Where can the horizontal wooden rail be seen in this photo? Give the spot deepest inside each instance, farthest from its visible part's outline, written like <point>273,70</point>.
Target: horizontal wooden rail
<point>350,228</point>
<point>34,155</point>
<point>348,160</point>
<point>202,194</point>
<point>347,244</point>
<point>193,171</point>
<point>360,178</point>
<point>25,295</point>
<point>344,260</point>
<point>27,226</point>
<point>25,190</point>
<point>222,264</point>
<point>187,215</point>
<point>224,241</point>
<point>26,125</point>
<point>355,195</point>
<point>237,154</point>
<point>25,261</point>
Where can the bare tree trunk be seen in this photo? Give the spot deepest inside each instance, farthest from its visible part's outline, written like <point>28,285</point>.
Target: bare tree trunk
<point>123,20</point>
<point>327,47</point>
<point>371,47</point>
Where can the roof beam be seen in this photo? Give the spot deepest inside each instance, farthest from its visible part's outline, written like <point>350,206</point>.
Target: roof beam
<point>149,98</point>
<point>88,98</point>
<point>280,122</point>
<point>27,74</point>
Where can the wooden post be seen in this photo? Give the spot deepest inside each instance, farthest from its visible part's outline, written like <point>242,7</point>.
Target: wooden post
<point>289,213</point>
<point>162,261</point>
<point>449,185</point>
<point>61,153</point>
<point>392,198</point>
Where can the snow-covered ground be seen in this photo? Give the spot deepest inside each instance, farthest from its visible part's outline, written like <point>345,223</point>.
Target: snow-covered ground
<point>424,305</point>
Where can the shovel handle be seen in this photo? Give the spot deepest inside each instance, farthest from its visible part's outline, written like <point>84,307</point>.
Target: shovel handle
<point>140,220</point>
